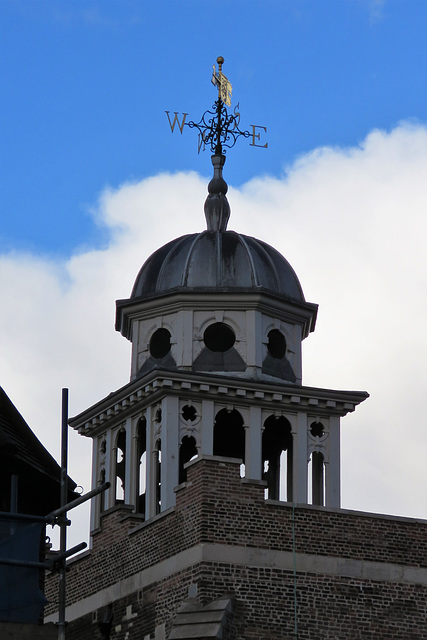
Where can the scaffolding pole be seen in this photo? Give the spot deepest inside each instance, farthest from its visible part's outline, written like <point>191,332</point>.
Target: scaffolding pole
<point>63,523</point>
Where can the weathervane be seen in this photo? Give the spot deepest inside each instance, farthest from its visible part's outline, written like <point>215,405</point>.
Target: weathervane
<point>217,128</point>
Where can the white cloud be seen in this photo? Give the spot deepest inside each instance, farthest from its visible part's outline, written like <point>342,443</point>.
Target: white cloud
<point>352,223</point>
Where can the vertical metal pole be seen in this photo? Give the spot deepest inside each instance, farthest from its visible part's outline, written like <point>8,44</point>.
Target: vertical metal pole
<point>63,526</point>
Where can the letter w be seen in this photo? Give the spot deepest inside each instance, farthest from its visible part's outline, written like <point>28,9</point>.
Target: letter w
<point>176,120</point>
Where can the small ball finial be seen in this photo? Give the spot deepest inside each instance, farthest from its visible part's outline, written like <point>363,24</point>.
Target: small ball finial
<point>220,60</point>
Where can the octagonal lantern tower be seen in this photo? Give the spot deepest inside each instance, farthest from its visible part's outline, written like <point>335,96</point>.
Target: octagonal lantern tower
<point>216,320</point>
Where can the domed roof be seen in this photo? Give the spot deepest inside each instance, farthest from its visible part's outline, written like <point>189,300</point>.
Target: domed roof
<point>223,260</point>
<point>216,261</point>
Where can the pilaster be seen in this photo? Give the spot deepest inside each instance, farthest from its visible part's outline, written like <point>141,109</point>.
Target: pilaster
<point>170,450</point>
<point>333,497</point>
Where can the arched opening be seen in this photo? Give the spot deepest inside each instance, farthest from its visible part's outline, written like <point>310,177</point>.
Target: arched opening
<point>229,435</point>
<point>141,466</point>
<point>277,458</point>
<point>120,466</point>
<point>316,479</point>
<point>158,475</point>
<point>187,452</point>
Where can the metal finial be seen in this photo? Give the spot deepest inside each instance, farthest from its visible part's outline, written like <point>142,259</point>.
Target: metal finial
<point>217,209</point>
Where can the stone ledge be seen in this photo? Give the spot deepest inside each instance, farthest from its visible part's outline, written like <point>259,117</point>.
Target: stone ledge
<point>235,555</point>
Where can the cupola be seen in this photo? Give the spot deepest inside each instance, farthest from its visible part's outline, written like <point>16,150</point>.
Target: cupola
<point>216,320</point>
<point>217,301</point>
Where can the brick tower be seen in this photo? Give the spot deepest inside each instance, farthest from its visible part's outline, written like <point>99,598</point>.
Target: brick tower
<point>223,518</point>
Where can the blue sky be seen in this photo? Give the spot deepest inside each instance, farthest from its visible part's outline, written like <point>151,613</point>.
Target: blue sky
<point>93,181</point>
<point>86,84</point>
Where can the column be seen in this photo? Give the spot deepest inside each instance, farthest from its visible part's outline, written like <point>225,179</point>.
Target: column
<point>150,495</point>
<point>95,506</point>
<point>129,496</point>
<point>186,330</point>
<point>333,489</point>
<point>300,459</point>
<point>206,427</point>
<point>170,451</point>
<point>253,444</point>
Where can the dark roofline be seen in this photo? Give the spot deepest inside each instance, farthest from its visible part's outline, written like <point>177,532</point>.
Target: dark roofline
<point>18,440</point>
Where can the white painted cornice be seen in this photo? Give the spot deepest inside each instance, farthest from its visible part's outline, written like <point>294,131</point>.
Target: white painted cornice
<point>303,313</point>
<point>136,395</point>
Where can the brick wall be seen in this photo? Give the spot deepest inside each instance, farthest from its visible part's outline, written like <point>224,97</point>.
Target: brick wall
<point>327,607</point>
<point>217,510</point>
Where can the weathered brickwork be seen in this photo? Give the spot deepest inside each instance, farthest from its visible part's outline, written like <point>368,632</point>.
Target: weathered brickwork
<point>223,538</point>
<point>327,607</point>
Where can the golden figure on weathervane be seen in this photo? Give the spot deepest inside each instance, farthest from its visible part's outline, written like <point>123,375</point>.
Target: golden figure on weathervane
<point>221,81</point>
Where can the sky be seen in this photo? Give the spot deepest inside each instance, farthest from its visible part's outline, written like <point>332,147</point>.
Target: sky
<point>93,181</point>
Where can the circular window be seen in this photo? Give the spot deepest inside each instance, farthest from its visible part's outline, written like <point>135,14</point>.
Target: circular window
<point>276,344</point>
<point>160,343</point>
<point>317,429</point>
<point>219,337</point>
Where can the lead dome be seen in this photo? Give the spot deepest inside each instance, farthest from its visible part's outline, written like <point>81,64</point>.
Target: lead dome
<point>221,273</point>
<point>223,260</point>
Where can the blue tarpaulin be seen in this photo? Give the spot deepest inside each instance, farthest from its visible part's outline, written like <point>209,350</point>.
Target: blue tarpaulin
<point>21,598</point>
